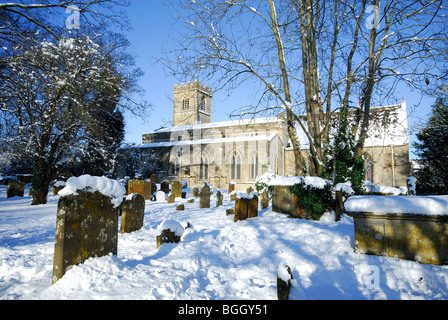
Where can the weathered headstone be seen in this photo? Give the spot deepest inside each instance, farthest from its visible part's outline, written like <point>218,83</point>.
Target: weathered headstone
<point>171,199</point>
<point>190,201</point>
<point>87,226</point>
<point>180,207</point>
<point>58,186</point>
<point>246,206</point>
<point>219,198</point>
<point>132,213</point>
<point>232,186</point>
<point>195,192</point>
<point>230,212</point>
<point>153,178</point>
<point>171,232</point>
<point>204,197</point>
<point>165,187</point>
<point>241,207</point>
<point>252,210</point>
<point>264,199</point>
<point>184,194</point>
<point>176,189</point>
<point>15,189</point>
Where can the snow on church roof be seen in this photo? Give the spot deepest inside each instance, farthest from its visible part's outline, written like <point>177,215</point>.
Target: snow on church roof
<point>208,141</point>
<point>231,123</point>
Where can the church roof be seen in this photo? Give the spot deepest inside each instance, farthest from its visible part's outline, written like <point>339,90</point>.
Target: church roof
<point>230,123</point>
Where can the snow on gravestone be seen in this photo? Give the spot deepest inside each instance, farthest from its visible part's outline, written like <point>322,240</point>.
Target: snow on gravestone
<point>87,221</point>
<point>170,232</point>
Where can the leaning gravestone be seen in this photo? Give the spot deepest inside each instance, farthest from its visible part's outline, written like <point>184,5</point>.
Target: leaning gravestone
<point>204,197</point>
<point>132,213</point>
<point>87,221</point>
<point>219,197</point>
<point>15,189</point>
<point>176,189</point>
<point>170,232</point>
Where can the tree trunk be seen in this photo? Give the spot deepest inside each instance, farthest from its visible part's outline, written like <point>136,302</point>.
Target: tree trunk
<point>41,181</point>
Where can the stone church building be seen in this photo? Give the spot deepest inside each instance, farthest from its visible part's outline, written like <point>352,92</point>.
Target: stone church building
<point>198,150</point>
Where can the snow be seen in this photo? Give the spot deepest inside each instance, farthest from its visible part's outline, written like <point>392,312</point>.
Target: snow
<point>107,187</point>
<point>316,182</point>
<point>430,205</point>
<point>216,259</point>
<point>171,225</point>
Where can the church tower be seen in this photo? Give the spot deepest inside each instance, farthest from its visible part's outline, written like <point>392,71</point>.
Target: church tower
<point>192,104</point>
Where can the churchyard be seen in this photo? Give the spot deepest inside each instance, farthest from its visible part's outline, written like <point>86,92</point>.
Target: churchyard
<point>197,244</point>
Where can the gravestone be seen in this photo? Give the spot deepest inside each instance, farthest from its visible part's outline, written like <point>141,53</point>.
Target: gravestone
<point>264,199</point>
<point>171,232</point>
<point>195,192</point>
<point>165,187</point>
<point>231,186</point>
<point>204,197</point>
<point>136,186</point>
<point>176,189</point>
<point>190,201</point>
<point>246,206</point>
<point>252,210</point>
<point>230,212</point>
<point>58,186</point>
<point>180,207</point>
<point>153,178</point>
<point>219,197</point>
<point>87,226</point>
<point>241,207</point>
<point>132,213</point>
<point>171,199</point>
<point>15,189</point>
<point>160,196</point>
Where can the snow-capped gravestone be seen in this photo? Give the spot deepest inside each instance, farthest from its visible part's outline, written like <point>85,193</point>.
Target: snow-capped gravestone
<point>87,221</point>
<point>204,197</point>
<point>15,189</point>
<point>170,232</point>
<point>58,186</point>
<point>246,206</point>
<point>132,213</point>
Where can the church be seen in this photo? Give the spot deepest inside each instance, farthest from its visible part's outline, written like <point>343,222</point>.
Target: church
<point>197,150</point>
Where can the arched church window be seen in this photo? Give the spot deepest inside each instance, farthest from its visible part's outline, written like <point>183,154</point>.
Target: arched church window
<point>235,166</point>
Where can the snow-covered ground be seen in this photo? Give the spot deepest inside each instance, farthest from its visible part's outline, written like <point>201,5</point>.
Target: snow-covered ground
<point>216,259</point>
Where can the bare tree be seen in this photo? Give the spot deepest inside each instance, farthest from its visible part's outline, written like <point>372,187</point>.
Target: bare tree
<point>313,57</point>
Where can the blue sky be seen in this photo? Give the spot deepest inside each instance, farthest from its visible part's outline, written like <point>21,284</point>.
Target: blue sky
<point>151,23</point>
